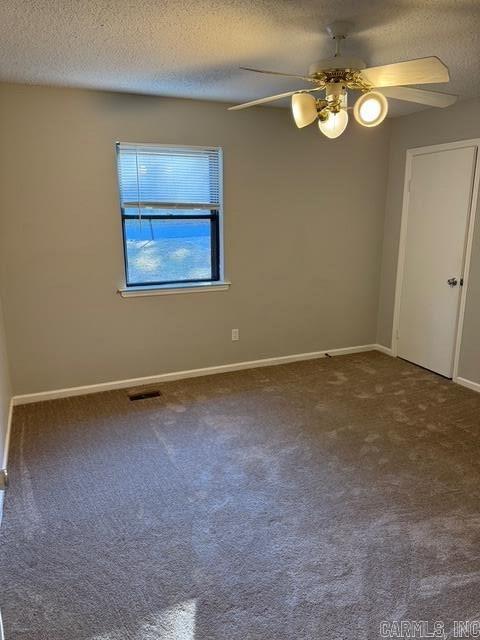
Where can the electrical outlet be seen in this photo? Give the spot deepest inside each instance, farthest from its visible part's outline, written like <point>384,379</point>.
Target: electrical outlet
<point>235,335</point>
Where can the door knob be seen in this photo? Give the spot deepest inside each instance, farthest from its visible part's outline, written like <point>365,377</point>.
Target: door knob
<point>452,282</point>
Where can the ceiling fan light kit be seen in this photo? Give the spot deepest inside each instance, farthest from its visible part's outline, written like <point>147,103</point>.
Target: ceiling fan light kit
<point>304,109</point>
<point>336,75</point>
<point>334,125</point>
<point>370,109</point>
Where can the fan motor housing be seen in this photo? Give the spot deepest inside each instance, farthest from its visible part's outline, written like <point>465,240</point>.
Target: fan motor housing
<point>340,63</point>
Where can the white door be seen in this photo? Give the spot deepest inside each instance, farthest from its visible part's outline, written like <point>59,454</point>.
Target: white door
<point>437,221</point>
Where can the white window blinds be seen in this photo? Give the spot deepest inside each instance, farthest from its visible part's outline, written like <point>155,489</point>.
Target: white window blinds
<point>168,177</point>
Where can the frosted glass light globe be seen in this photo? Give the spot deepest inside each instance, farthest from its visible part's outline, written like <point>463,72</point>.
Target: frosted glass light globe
<point>371,109</point>
<point>335,124</point>
<point>304,109</point>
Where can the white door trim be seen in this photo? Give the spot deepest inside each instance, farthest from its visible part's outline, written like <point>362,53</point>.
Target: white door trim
<point>411,153</point>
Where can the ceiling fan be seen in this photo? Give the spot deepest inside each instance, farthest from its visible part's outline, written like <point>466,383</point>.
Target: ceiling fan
<point>340,73</point>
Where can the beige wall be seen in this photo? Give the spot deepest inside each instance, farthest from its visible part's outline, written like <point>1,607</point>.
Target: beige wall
<point>434,126</point>
<point>5,395</point>
<point>303,237</point>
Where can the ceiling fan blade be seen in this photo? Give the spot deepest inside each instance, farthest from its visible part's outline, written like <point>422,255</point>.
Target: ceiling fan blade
<point>431,98</point>
<point>420,71</point>
<point>279,96</point>
<point>279,73</point>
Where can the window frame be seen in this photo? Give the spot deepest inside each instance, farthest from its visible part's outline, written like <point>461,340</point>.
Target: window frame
<point>215,215</point>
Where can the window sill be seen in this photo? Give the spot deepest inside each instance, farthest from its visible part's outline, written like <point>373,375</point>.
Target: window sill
<point>169,289</point>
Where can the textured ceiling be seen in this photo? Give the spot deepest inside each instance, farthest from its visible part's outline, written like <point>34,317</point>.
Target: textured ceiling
<point>193,49</point>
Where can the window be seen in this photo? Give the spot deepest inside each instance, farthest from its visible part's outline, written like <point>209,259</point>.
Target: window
<point>171,203</point>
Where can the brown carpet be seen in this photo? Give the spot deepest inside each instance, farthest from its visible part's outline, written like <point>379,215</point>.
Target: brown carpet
<point>305,501</point>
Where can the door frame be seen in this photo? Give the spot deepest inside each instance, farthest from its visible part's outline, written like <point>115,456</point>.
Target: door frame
<point>411,153</point>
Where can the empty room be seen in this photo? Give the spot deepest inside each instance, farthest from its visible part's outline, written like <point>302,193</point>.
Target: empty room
<point>239,320</point>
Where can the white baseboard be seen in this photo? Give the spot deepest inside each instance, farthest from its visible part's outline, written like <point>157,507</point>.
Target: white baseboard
<point>7,437</point>
<point>464,382</point>
<point>474,386</point>
<point>179,375</point>
<point>387,350</point>
<point>4,466</point>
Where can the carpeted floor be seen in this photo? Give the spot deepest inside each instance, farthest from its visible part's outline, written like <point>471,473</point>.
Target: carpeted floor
<point>305,501</point>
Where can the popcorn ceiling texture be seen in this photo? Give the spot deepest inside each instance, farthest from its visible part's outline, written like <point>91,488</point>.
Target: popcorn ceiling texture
<point>193,49</point>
